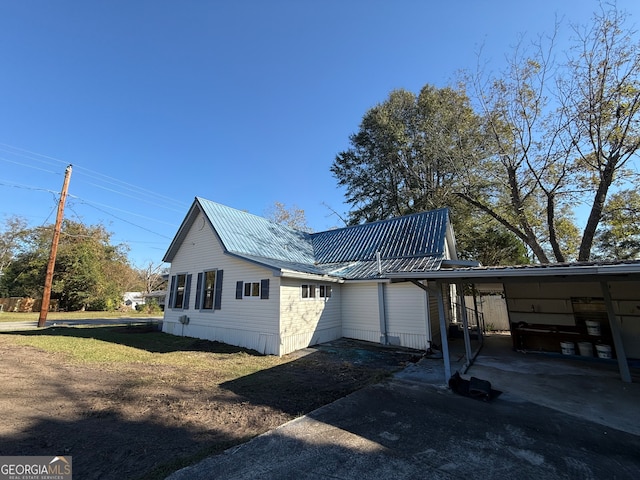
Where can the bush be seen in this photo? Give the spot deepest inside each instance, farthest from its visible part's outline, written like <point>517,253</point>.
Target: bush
<point>151,307</point>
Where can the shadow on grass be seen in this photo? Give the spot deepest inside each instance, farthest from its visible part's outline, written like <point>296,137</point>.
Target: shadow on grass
<point>143,337</point>
<point>118,432</point>
<point>330,371</point>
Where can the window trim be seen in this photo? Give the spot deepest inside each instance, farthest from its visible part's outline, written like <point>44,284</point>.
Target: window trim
<point>318,289</point>
<point>175,288</point>
<point>308,288</point>
<point>262,292</point>
<point>215,290</point>
<point>252,289</point>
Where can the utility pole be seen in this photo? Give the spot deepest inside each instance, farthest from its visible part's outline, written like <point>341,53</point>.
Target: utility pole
<point>48,280</point>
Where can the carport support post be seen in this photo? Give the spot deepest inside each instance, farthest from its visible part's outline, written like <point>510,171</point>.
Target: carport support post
<point>443,332</point>
<point>625,374</point>
<point>465,323</point>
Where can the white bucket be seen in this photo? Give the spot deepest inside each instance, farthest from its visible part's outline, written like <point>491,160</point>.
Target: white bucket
<point>604,351</point>
<point>593,328</point>
<point>586,349</point>
<point>568,348</point>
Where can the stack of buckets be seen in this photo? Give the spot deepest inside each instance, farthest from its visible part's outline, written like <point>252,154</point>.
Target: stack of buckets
<point>586,348</point>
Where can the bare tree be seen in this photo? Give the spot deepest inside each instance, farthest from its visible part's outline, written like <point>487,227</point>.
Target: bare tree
<point>562,133</point>
<point>292,217</point>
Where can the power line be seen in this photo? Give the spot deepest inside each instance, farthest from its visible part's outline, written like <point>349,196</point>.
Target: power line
<point>141,192</point>
<point>124,190</point>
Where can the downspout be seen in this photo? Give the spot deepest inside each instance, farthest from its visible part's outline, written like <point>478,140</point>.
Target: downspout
<point>382,315</point>
<point>382,309</point>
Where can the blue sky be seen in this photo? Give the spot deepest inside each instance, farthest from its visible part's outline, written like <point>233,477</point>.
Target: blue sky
<point>243,102</point>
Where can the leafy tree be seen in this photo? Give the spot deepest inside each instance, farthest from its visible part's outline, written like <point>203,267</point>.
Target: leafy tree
<point>90,273</point>
<point>406,153</point>
<point>409,155</point>
<point>12,238</point>
<point>619,234</point>
<point>533,144</point>
<point>562,134</point>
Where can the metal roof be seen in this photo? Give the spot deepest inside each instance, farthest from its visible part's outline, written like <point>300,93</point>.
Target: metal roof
<point>419,234</point>
<point>245,233</point>
<point>587,271</point>
<point>404,244</point>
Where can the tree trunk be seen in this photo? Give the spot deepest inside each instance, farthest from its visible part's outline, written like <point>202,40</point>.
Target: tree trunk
<point>553,236</point>
<point>595,214</point>
<point>529,240</point>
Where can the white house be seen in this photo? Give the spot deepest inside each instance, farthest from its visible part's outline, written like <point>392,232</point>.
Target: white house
<point>241,279</point>
<point>133,299</point>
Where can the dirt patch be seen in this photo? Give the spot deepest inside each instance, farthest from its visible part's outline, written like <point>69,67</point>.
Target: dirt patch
<point>144,421</point>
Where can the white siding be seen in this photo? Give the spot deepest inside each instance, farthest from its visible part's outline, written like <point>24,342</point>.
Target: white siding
<point>360,318</point>
<point>305,322</point>
<point>250,323</point>
<point>406,308</point>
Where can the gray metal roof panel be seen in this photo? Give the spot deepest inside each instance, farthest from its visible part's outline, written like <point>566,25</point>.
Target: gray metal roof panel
<point>286,265</point>
<point>413,243</point>
<point>369,269</point>
<point>419,234</point>
<point>245,233</point>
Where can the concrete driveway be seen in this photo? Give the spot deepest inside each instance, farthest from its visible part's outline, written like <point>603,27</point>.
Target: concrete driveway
<point>414,427</point>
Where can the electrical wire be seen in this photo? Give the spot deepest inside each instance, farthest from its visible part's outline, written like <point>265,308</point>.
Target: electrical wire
<point>100,181</point>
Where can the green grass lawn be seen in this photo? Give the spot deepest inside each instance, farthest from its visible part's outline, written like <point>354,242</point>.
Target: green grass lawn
<point>142,343</point>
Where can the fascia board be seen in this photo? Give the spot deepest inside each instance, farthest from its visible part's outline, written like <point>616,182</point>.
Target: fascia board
<point>309,276</point>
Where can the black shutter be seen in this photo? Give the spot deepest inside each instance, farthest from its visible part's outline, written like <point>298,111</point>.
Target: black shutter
<point>199,290</point>
<point>239,287</point>
<point>171,288</point>
<point>264,289</point>
<point>217,299</point>
<point>187,289</point>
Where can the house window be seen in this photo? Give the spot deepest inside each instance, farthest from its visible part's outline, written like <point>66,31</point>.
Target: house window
<point>209,290</point>
<point>180,284</point>
<point>179,294</point>
<point>252,289</point>
<point>325,291</point>
<point>308,291</point>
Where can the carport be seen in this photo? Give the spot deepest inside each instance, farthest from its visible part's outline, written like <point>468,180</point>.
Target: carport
<point>548,304</point>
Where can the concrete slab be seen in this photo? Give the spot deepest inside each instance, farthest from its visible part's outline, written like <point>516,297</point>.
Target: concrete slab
<point>584,387</point>
<point>414,427</point>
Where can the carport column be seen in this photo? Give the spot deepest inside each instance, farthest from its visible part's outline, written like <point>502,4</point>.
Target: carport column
<point>465,323</point>
<point>623,366</point>
<point>437,291</point>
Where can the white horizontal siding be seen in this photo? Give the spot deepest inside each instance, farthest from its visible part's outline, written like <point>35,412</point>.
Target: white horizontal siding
<point>406,311</point>
<point>360,316</point>
<point>251,323</point>
<point>305,322</point>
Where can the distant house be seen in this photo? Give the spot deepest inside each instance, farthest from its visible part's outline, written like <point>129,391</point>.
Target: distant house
<point>133,299</point>
<point>157,296</point>
<point>241,279</point>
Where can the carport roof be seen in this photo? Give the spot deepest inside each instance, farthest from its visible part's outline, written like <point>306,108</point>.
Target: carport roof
<point>585,271</point>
